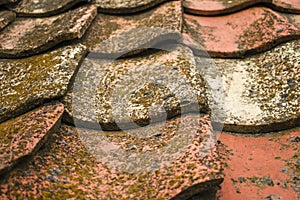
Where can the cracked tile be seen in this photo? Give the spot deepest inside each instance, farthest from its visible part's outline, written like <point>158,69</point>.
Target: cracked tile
<point>66,165</point>
<point>153,87</point>
<point>26,83</point>
<point>6,17</point>
<point>125,6</point>
<point>219,7</point>
<point>29,36</point>
<point>131,34</point>
<point>262,91</point>
<point>24,135</point>
<point>42,8</point>
<point>247,32</point>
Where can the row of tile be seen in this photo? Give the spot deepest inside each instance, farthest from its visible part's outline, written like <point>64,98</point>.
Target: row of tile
<point>65,163</point>
<point>200,7</point>
<point>235,35</point>
<point>219,7</point>
<point>265,87</point>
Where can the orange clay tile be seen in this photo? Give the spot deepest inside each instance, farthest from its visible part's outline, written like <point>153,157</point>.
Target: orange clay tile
<point>43,7</point>
<point>24,135</point>
<point>116,35</point>
<point>218,7</point>
<point>263,167</point>
<point>64,169</point>
<point>125,6</point>
<point>6,17</point>
<point>246,32</point>
<point>29,36</point>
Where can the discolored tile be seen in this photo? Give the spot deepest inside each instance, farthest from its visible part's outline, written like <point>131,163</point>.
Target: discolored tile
<point>247,32</point>
<point>219,7</point>
<point>28,36</point>
<point>67,166</point>
<point>39,8</point>
<point>117,94</point>
<point>24,135</point>
<point>262,91</point>
<point>26,83</point>
<point>125,6</point>
<point>6,17</point>
<point>114,35</point>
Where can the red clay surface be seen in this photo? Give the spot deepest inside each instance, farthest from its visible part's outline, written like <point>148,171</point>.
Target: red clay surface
<point>260,166</point>
<point>217,7</point>
<point>247,32</point>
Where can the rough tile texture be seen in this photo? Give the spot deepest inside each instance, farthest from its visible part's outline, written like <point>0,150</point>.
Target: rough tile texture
<point>24,135</point>
<point>7,1</point>
<point>66,166</point>
<point>6,17</point>
<point>262,91</point>
<point>265,167</point>
<point>25,83</point>
<point>28,36</point>
<point>247,32</point>
<point>151,87</point>
<point>116,35</point>
<point>218,7</point>
<point>125,6</point>
<point>43,7</point>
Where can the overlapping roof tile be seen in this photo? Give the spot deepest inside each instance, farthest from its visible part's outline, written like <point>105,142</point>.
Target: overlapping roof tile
<point>247,32</point>
<point>43,8</point>
<point>59,168</point>
<point>114,35</point>
<point>29,36</point>
<point>169,80</point>
<point>28,82</point>
<point>262,91</point>
<point>218,7</point>
<point>24,135</point>
<point>6,17</point>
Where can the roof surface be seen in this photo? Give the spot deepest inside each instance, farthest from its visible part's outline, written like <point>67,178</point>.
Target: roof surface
<point>149,99</point>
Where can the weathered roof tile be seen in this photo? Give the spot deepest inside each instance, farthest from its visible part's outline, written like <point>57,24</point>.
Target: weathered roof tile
<point>29,36</point>
<point>218,7</point>
<point>25,83</point>
<point>116,35</point>
<point>6,17</point>
<point>125,6</point>
<point>247,32</point>
<point>262,91</point>
<point>66,165</point>
<point>43,7</point>
<point>166,82</point>
<point>24,135</point>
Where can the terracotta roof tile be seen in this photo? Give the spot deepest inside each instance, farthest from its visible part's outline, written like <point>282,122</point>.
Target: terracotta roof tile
<point>59,167</point>
<point>169,80</point>
<point>42,7</point>
<point>218,7</point>
<point>125,6</point>
<point>24,135</point>
<point>262,91</point>
<point>6,17</point>
<point>247,32</point>
<point>28,82</point>
<point>116,35</point>
<point>29,36</point>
